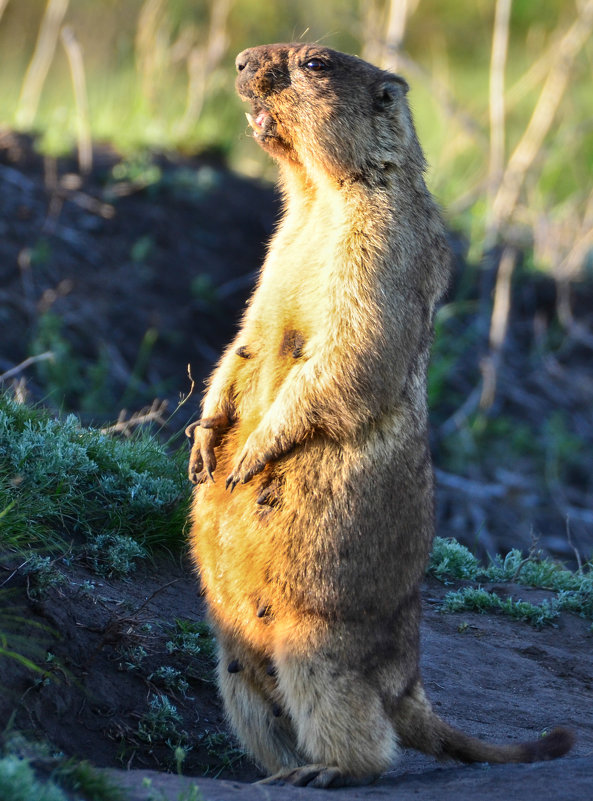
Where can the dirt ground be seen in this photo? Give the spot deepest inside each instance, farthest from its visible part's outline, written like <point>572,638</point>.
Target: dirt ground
<point>143,268</point>
<point>496,679</point>
<point>113,646</point>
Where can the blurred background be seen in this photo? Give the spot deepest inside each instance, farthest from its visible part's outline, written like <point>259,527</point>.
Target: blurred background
<point>135,207</point>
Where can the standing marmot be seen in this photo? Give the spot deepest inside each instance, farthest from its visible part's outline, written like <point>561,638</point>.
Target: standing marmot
<point>316,418</point>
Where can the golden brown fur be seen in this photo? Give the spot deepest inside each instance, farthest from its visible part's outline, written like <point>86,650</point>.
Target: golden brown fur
<point>316,417</point>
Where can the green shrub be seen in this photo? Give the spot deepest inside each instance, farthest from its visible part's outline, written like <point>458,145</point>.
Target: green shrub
<point>60,480</point>
<point>18,783</point>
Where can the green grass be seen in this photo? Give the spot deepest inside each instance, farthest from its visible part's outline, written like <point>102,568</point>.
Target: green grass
<point>160,722</point>
<point>194,641</point>
<point>62,482</point>
<point>223,749</point>
<point>477,599</point>
<point>68,492</point>
<point>574,590</point>
<point>86,781</point>
<point>19,783</point>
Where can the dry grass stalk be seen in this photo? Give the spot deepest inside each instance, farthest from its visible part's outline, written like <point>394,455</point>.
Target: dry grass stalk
<point>552,92</point>
<point>20,393</point>
<point>151,414</point>
<point>151,45</point>
<point>563,244</point>
<point>450,106</point>
<point>505,186</point>
<point>531,79</point>
<point>571,264</point>
<point>397,17</point>
<point>383,30</point>
<point>3,4</point>
<point>202,61</point>
<point>372,26</point>
<point>41,61</point>
<point>502,299</point>
<point>76,64</point>
<point>500,41</point>
<point>498,326</point>
<point>41,357</point>
<point>502,292</point>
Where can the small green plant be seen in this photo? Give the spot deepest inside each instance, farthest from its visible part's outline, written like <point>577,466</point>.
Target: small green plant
<point>191,793</point>
<point>193,641</point>
<point>84,780</point>
<point>454,335</point>
<point>222,749</point>
<point>204,290</point>
<point>40,253</point>
<point>66,379</point>
<point>87,589</point>
<point>60,480</point>
<point>28,648</point>
<point>170,678</point>
<point>142,249</point>
<point>141,365</point>
<point>114,554</point>
<point>451,559</point>
<point>138,169</point>
<point>192,638</point>
<point>19,783</point>
<point>133,657</point>
<point>477,599</point>
<point>43,574</point>
<point>160,723</point>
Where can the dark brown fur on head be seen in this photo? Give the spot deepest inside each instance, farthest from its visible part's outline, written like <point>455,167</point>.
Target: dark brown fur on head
<point>324,109</point>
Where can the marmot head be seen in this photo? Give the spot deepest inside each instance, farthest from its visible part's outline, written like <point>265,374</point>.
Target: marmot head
<point>327,110</point>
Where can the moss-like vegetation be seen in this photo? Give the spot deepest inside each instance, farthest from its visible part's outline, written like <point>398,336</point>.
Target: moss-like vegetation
<point>62,482</point>
<point>451,560</point>
<point>19,783</point>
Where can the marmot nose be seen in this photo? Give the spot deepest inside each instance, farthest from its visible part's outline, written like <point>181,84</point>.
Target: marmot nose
<point>242,59</point>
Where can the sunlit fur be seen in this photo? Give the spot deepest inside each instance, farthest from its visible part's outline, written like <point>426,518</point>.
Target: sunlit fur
<point>318,407</point>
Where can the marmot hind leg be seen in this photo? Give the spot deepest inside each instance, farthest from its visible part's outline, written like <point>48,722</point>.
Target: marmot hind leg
<point>340,723</point>
<point>254,716</point>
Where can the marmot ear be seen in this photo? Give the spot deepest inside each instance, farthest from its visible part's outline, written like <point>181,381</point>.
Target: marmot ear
<point>388,91</point>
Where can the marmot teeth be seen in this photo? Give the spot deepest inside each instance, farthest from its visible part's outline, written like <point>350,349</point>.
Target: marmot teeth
<point>252,122</point>
<point>260,122</point>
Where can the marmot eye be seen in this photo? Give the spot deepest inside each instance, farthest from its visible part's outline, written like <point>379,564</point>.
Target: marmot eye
<point>315,64</point>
